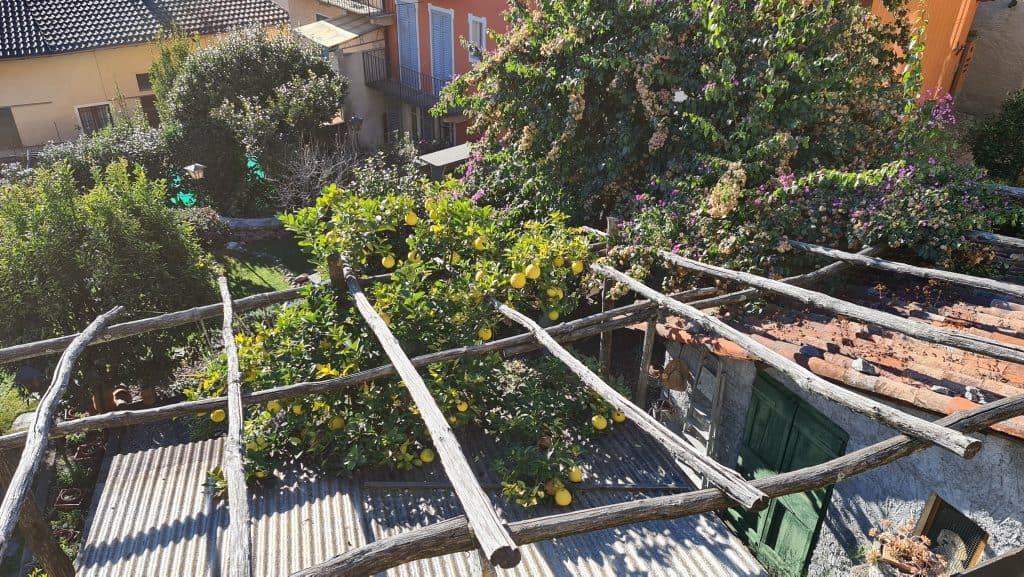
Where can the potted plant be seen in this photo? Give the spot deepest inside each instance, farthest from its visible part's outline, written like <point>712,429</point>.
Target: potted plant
<point>898,552</point>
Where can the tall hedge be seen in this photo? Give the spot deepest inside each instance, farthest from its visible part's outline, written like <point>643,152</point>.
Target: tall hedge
<point>998,143</point>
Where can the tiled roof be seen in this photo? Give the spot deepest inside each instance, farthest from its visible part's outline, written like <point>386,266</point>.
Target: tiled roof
<point>40,27</point>
<point>935,378</point>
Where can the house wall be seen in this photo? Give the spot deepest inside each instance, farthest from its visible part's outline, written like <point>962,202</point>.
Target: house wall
<point>998,65</point>
<point>988,488</point>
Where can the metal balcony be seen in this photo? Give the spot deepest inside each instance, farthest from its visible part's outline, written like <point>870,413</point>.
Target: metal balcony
<point>365,7</point>
<point>409,85</point>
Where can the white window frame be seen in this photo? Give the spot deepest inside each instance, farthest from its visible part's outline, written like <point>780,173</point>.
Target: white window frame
<point>78,113</point>
<point>431,10</point>
<point>477,21</point>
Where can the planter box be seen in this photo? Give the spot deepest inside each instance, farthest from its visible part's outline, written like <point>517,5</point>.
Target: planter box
<point>70,498</point>
<point>66,535</point>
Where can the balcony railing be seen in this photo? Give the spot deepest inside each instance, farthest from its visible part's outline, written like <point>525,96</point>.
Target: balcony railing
<point>408,85</point>
<point>367,7</point>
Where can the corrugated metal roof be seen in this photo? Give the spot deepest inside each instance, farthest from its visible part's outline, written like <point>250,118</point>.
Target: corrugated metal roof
<point>151,516</point>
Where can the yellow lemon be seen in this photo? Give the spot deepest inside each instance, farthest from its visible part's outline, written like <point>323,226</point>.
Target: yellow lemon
<point>600,423</point>
<point>218,416</point>
<point>575,474</point>
<point>618,416</point>
<point>577,267</point>
<point>552,292</point>
<point>479,276</point>
<point>462,407</point>
<point>261,473</point>
<point>411,219</point>
<point>553,315</point>
<point>414,256</point>
<point>427,455</point>
<point>274,406</point>
<point>559,261</point>
<point>517,280</point>
<point>456,258</point>
<point>563,498</point>
<point>480,243</point>
<point>485,334</point>
<point>453,419</point>
<point>388,261</point>
<point>336,423</point>
<point>533,272</point>
<point>560,294</point>
<point>297,409</point>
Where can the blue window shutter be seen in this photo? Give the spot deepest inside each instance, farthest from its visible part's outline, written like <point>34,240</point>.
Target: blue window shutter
<point>441,49</point>
<point>408,43</point>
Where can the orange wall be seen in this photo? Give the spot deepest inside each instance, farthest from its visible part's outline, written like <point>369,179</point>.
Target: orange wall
<point>946,28</point>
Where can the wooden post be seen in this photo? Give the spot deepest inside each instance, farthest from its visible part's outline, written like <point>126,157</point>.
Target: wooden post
<point>605,350</point>
<point>488,528</point>
<point>239,536</point>
<point>964,341</point>
<point>956,442</point>
<point>36,530</point>
<point>729,481</point>
<point>38,434</point>
<point>901,268</point>
<point>643,378</point>
<point>453,535</point>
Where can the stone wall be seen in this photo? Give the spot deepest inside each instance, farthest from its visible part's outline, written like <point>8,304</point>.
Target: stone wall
<point>989,489</point>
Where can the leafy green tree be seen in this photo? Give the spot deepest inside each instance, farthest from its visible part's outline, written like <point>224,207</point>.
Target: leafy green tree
<point>241,104</point>
<point>998,143</point>
<point>584,103</point>
<point>69,253</point>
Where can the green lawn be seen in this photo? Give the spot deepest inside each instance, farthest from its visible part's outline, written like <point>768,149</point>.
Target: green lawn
<point>11,403</point>
<point>264,268</point>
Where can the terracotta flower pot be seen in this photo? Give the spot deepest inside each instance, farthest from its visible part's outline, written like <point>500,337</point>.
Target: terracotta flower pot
<point>69,499</point>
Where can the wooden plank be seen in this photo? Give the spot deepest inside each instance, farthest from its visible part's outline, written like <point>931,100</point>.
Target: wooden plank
<point>729,481</point>
<point>798,280</point>
<point>571,331</point>
<point>488,528</point>
<point>239,537</point>
<point>604,356</point>
<point>141,326</point>
<point>644,376</point>
<point>38,434</point>
<point>956,442</point>
<point>901,268</point>
<point>36,530</point>
<point>925,332</point>
<point>996,239</point>
<point>453,535</point>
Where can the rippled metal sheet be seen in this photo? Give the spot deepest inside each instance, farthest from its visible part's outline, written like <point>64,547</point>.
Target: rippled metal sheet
<point>153,517</point>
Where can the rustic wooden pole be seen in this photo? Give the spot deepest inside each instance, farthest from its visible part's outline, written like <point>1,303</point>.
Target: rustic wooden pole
<point>141,326</point>
<point>571,331</point>
<point>901,268</point>
<point>730,482</point>
<point>36,530</point>
<point>803,280</point>
<point>956,442</point>
<point>964,341</point>
<point>38,434</point>
<point>239,536</point>
<point>453,535</point>
<point>488,528</point>
<point>996,239</point>
<point>643,378</point>
<point>605,348</point>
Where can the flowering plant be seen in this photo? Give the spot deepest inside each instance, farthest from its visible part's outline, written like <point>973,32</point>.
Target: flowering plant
<point>898,546</point>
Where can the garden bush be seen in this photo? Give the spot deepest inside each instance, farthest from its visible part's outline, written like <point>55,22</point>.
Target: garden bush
<point>240,107</point>
<point>210,230</point>
<point>446,255</point>
<point>69,253</point>
<point>998,142</point>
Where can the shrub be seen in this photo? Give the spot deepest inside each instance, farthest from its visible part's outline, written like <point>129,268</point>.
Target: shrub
<point>998,142</point>
<point>242,105</point>
<point>69,253</point>
<point>130,138</point>
<point>210,230</point>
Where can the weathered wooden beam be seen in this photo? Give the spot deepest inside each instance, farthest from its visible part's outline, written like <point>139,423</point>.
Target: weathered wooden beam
<point>141,326</point>
<point>926,332</point>
<point>956,442</point>
<point>901,268</point>
<point>453,536</point>
<point>38,434</point>
<point>583,328</point>
<point>36,530</point>
<point>1010,191</point>
<point>488,528</point>
<point>729,481</point>
<point>644,376</point>
<point>604,353</point>
<point>805,279</point>
<point>996,239</point>
<point>239,537</point>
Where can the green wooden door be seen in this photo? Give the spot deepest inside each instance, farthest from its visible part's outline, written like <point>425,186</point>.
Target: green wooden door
<point>783,433</point>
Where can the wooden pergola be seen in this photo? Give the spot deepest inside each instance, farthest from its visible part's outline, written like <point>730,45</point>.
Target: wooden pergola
<point>481,528</point>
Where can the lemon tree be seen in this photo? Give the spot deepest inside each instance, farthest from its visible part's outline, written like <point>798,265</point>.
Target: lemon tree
<point>446,256</point>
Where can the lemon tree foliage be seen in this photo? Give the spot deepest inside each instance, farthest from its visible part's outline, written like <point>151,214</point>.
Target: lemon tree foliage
<point>446,255</point>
